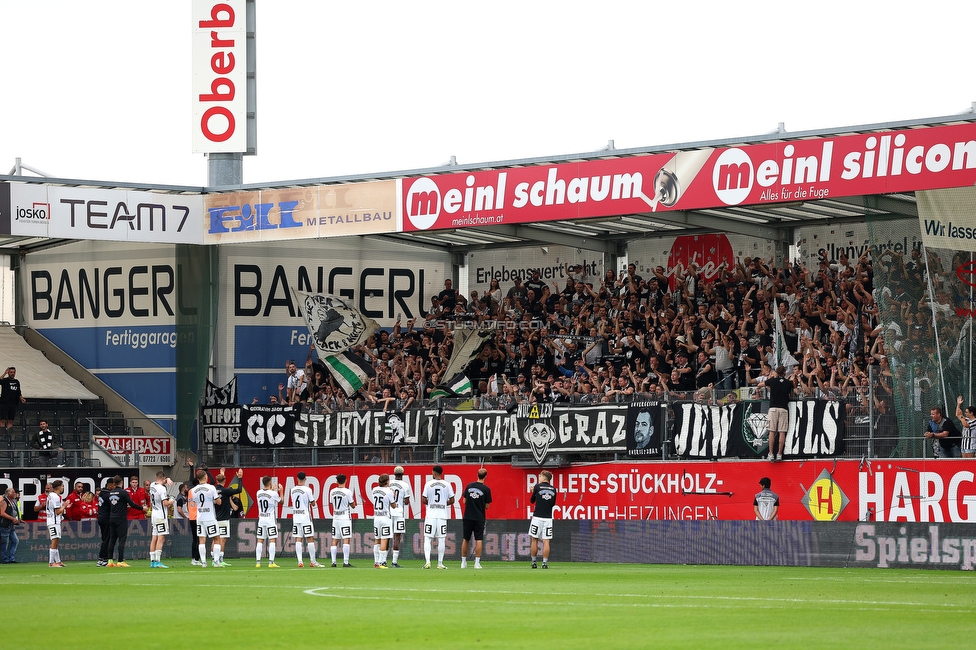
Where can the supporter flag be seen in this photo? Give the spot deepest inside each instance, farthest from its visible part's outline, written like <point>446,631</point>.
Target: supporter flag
<point>221,395</point>
<point>457,386</point>
<point>780,350</point>
<point>349,370</point>
<point>336,327</point>
<point>857,337</point>
<point>467,345</point>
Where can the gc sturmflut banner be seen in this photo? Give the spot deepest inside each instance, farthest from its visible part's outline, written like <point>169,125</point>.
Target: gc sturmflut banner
<point>355,428</point>
<point>577,429</point>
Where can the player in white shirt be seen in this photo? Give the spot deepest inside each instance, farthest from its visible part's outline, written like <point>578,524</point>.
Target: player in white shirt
<point>54,509</point>
<point>302,502</point>
<point>402,495</point>
<point>206,498</point>
<point>268,499</point>
<point>160,503</point>
<point>437,496</point>
<point>342,502</point>
<point>382,497</point>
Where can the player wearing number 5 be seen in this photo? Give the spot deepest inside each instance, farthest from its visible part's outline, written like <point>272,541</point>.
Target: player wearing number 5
<point>383,500</point>
<point>437,496</point>
<point>342,501</point>
<point>302,502</point>
<point>268,499</point>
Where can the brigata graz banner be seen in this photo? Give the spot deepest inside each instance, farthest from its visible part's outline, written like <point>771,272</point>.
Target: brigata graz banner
<point>576,429</point>
<point>740,429</point>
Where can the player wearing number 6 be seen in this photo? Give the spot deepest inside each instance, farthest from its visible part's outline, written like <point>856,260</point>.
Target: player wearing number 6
<point>342,501</point>
<point>302,502</point>
<point>268,499</point>
<point>437,496</point>
<point>383,499</point>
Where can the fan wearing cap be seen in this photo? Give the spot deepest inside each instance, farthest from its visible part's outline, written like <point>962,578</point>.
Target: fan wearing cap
<point>686,373</point>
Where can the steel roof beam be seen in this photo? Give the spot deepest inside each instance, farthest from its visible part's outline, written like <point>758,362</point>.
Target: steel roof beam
<point>695,220</point>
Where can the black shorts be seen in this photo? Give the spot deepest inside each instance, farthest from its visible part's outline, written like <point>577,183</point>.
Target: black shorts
<point>472,527</point>
<point>8,411</point>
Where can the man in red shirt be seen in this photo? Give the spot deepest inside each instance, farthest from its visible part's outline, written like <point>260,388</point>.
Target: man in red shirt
<point>41,506</point>
<point>139,496</point>
<point>73,510</point>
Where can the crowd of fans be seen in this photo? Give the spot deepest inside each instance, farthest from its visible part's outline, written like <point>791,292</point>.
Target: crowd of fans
<point>612,338</point>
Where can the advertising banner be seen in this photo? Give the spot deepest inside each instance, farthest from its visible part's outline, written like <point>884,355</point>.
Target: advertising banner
<point>113,308</point>
<point>152,450</point>
<point>750,543</point>
<point>104,214</point>
<point>219,63</point>
<point>761,174</point>
<point>301,213</point>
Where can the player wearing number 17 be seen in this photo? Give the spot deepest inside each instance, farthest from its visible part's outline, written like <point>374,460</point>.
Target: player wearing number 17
<point>268,498</point>
<point>383,499</point>
<point>437,496</point>
<point>342,501</point>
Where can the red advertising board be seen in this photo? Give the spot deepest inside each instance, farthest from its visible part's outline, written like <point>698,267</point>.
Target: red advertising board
<point>912,491</point>
<point>789,171</point>
<point>122,445</point>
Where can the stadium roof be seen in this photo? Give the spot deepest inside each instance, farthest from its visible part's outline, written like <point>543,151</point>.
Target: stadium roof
<point>605,234</point>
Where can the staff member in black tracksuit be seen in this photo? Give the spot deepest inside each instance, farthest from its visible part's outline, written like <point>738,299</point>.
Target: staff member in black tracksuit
<point>104,509</point>
<point>222,510</point>
<point>119,504</point>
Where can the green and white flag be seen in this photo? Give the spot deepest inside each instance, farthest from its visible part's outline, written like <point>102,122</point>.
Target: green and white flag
<point>336,327</point>
<point>457,386</point>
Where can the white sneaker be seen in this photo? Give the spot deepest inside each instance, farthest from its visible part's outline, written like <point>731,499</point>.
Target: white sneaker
<point>477,565</point>
<point>779,457</point>
<point>464,563</point>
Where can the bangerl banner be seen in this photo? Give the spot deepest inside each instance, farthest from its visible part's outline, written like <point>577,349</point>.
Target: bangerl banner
<point>63,212</point>
<point>789,171</point>
<point>303,213</point>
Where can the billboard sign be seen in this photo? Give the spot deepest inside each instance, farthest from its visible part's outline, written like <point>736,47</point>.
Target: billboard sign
<point>219,76</point>
<point>762,174</point>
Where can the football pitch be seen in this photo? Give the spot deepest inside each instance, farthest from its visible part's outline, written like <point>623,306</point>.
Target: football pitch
<point>504,605</point>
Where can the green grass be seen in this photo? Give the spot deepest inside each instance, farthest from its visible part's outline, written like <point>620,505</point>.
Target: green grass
<point>505,605</point>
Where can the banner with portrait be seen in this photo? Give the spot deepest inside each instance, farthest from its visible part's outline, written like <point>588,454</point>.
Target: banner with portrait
<point>644,427</point>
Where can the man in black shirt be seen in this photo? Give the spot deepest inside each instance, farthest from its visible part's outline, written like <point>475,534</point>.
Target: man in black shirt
<point>104,525</point>
<point>944,431</point>
<point>10,398</point>
<point>222,513</point>
<point>119,504</point>
<point>475,500</point>
<point>780,390</point>
<point>543,498</point>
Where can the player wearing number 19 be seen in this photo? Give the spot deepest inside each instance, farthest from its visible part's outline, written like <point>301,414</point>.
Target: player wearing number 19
<point>383,499</point>
<point>302,502</point>
<point>268,499</point>
<point>437,496</point>
<point>342,501</point>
